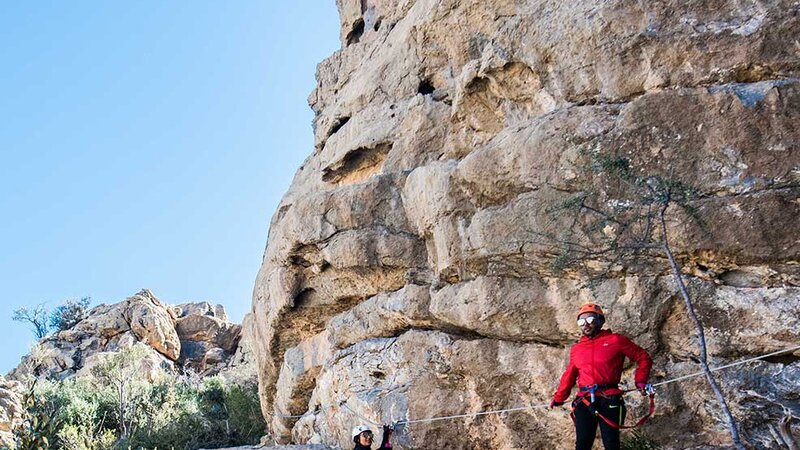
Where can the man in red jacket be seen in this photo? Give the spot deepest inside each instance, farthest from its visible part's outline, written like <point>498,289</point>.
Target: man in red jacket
<point>595,362</point>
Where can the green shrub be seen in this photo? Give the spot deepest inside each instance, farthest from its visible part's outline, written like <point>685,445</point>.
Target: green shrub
<point>115,409</point>
<point>637,440</point>
<point>39,426</point>
<point>244,406</point>
<point>72,437</point>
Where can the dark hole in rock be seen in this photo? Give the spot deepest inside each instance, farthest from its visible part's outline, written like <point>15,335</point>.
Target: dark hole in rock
<point>379,375</point>
<point>741,279</point>
<point>785,359</point>
<point>305,256</point>
<point>377,25</point>
<point>304,298</point>
<point>355,34</point>
<point>425,87</point>
<point>338,124</point>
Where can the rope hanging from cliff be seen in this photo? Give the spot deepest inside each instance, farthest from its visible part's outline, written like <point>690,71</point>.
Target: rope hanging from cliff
<point>545,405</point>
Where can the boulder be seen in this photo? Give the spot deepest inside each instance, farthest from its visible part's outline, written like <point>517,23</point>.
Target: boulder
<point>204,328</point>
<point>153,323</point>
<point>200,309</point>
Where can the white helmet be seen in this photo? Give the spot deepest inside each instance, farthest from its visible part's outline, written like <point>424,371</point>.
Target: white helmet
<point>360,429</point>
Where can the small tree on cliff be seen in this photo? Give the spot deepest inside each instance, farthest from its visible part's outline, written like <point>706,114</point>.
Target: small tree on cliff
<point>63,317</point>
<point>69,313</point>
<point>628,228</point>
<point>36,316</point>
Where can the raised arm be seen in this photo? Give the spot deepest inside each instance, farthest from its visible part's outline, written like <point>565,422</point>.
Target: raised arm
<point>385,442</point>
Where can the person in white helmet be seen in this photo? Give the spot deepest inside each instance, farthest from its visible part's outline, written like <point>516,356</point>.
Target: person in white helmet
<point>362,437</point>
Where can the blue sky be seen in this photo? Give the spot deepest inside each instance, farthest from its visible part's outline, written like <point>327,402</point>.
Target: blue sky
<point>147,144</point>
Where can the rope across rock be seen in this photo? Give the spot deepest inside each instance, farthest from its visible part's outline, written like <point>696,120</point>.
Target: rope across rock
<point>543,405</point>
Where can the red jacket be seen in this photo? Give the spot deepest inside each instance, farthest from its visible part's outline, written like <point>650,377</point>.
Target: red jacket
<point>598,360</point>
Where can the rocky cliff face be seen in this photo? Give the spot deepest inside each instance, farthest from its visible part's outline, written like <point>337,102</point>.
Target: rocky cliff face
<point>408,270</point>
<point>10,410</point>
<point>194,335</point>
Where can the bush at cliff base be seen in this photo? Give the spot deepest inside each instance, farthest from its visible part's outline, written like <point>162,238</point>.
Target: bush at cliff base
<point>111,410</point>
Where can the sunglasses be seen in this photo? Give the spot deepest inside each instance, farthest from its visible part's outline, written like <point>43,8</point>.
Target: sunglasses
<point>367,434</point>
<point>583,321</point>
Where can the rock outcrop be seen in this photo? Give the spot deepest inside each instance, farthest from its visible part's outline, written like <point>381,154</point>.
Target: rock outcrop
<point>240,368</point>
<point>10,410</point>
<point>194,335</point>
<point>409,268</point>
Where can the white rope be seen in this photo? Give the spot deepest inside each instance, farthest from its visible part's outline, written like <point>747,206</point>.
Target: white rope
<point>479,413</point>
<point>372,422</point>
<point>545,405</point>
<point>324,408</point>
<point>727,366</point>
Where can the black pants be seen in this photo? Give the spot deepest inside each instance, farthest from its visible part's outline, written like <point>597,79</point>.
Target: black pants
<point>612,408</point>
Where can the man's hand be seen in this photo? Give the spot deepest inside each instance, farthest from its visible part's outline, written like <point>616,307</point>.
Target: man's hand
<point>388,429</point>
<point>554,403</point>
<point>642,387</point>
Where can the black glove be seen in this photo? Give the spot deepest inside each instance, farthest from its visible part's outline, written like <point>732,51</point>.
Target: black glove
<point>554,403</point>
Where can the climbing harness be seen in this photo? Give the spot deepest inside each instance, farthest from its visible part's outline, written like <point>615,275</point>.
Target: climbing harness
<point>589,403</point>
<point>591,389</point>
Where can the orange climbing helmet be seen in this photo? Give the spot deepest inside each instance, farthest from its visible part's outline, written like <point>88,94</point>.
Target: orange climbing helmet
<point>591,308</point>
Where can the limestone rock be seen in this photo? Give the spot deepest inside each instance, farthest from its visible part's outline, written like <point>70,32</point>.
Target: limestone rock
<point>153,324</point>
<point>195,335</point>
<point>224,335</point>
<point>10,410</point>
<point>429,374</point>
<point>739,321</point>
<point>383,315</point>
<point>240,368</point>
<point>200,309</point>
<point>413,257</point>
<point>301,366</point>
